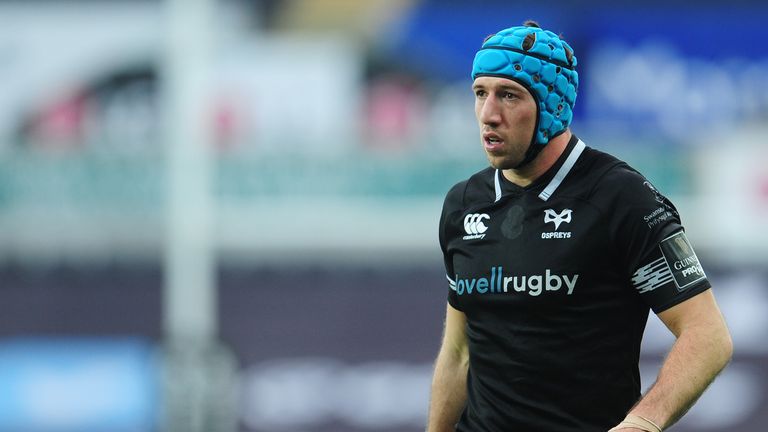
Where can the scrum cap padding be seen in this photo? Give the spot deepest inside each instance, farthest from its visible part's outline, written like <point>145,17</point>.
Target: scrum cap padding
<point>543,63</point>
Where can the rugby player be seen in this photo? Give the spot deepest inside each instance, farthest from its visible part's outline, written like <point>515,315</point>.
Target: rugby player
<point>554,256</point>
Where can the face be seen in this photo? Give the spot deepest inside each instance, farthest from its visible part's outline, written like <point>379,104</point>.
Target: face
<point>506,114</point>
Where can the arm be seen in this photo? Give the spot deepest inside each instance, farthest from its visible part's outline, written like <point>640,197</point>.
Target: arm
<point>449,382</point>
<point>702,349</point>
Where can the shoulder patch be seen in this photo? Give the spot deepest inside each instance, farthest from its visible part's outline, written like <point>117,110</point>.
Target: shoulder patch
<point>681,260</point>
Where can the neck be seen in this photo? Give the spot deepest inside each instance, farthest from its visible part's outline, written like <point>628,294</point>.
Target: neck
<point>544,161</point>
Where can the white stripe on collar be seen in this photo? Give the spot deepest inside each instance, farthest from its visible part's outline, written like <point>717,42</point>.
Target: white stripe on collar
<point>497,185</point>
<point>563,171</point>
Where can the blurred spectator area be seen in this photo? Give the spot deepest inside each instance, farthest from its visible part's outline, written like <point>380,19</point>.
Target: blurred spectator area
<point>360,109</point>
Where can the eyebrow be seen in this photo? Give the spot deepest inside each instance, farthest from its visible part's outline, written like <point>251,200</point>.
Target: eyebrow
<point>503,87</point>
<point>506,87</point>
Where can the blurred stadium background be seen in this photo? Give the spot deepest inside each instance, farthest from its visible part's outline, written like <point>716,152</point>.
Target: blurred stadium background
<point>221,215</point>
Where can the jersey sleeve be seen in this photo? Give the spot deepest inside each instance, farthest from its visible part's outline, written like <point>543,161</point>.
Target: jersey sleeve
<point>452,204</point>
<point>650,241</point>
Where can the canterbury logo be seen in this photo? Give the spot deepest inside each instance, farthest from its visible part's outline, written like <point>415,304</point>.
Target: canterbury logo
<point>474,226</point>
<point>557,219</point>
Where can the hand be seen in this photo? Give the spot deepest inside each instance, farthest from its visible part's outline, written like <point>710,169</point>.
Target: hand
<point>627,429</point>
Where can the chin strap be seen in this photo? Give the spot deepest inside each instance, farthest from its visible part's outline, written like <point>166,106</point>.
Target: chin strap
<point>530,154</point>
<point>534,149</point>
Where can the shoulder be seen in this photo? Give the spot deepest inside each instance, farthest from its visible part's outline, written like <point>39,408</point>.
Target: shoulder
<point>595,165</point>
<point>611,177</point>
<point>618,188</point>
<point>477,188</point>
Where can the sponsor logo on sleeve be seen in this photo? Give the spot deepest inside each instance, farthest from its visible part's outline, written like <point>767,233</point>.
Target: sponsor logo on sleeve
<point>657,216</point>
<point>656,194</point>
<point>681,260</point>
<point>661,213</point>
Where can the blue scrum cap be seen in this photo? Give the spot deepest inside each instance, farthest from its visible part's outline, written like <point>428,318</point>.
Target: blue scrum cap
<point>544,64</point>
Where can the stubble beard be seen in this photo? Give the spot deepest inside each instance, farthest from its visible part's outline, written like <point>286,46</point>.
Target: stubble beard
<point>507,160</point>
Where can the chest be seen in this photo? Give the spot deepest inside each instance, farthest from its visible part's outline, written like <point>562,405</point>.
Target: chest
<point>530,252</point>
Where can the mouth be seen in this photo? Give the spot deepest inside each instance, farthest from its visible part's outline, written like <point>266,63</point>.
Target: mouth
<point>492,142</point>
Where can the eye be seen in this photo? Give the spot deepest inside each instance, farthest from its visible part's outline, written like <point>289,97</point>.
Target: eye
<point>510,95</point>
<point>480,93</point>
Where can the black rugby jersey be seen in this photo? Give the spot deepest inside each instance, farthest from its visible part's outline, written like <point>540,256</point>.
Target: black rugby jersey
<point>556,280</point>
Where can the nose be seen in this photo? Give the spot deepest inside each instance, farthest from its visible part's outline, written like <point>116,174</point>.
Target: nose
<point>489,112</point>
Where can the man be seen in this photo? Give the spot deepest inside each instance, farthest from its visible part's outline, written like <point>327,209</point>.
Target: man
<point>554,255</point>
